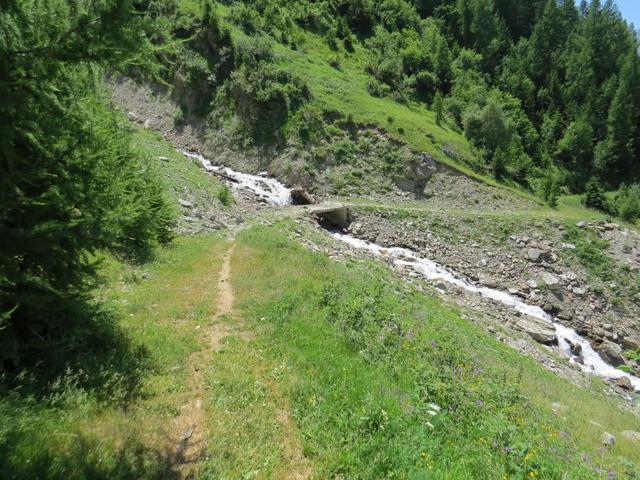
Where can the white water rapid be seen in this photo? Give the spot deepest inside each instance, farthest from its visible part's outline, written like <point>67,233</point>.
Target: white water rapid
<point>593,363</point>
<point>271,190</point>
<point>275,193</point>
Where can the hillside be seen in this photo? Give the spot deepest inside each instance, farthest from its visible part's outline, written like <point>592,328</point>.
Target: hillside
<point>309,240</point>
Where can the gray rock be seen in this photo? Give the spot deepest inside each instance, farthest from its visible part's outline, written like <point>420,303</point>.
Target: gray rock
<point>579,292</point>
<point>300,196</point>
<point>610,352</point>
<point>417,173</point>
<point>534,254</point>
<point>539,330</point>
<point>566,314</point>
<point>631,435</point>
<point>608,439</point>
<point>488,281</point>
<point>624,383</point>
<point>356,228</point>
<point>551,281</point>
<point>632,342</point>
<point>185,203</point>
<point>576,348</point>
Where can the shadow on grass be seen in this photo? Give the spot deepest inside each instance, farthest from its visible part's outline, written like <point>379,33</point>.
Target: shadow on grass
<point>84,458</point>
<point>55,380</point>
<point>79,342</point>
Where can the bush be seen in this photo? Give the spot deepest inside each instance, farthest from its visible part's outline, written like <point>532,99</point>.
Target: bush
<point>425,84</point>
<point>334,62</point>
<point>246,17</point>
<point>264,96</point>
<point>225,196</point>
<point>377,89</point>
<point>627,203</point>
<point>594,196</point>
<point>398,15</point>
<point>252,51</point>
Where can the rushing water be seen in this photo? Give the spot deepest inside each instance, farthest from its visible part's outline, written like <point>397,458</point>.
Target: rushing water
<point>271,190</point>
<point>276,193</point>
<point>592,362</point>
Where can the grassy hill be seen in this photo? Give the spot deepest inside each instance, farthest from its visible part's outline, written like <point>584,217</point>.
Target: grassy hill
<point>261,350</point>
<point>325,370</point>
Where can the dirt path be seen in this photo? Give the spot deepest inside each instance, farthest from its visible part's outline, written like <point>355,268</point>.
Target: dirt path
<point>297,466</point>
<point>189,431</point>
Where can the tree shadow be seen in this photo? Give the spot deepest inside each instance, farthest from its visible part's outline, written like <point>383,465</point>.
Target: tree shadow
<point>80,343</point>
<point>85,458</point>
<point>86,361</point>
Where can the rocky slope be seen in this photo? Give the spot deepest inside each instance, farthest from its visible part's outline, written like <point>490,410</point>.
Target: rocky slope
<point>531,260</point>
<point>480,231</point>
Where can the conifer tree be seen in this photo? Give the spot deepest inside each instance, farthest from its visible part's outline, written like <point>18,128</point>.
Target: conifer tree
<point>438,107</point>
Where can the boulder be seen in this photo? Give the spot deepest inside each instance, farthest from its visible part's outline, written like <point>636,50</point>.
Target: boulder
<point>534,254</point>
<point>579,292</point>
<point>488,281</point>
<point>417,173</point>
<point>608,439</point>
<point>632,342</point>
<point>631,435</point>
<point>624,383</point>
<point>610,352</point>
<point>551,281</point>
<point>576,348</point>
<point>299,196</point>
<point>539,330</point>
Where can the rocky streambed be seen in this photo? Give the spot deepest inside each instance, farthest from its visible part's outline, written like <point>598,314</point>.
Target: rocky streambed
<point>536,320</point>
<point>532,261</point>
<point>542,326</point>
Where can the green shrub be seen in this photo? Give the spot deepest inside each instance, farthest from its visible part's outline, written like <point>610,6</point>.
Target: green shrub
<point>225,196</point>
<point>594,196</point>
<point>377,89</point>
<point>627,202</point>
<point>246,17</point>
<point>425,85</point>
<point>335,62</point>
<point>265,95</point>
<point>252,51</point>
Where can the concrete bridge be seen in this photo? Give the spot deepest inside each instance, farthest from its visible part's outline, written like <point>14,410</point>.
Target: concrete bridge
<point>336,215</point>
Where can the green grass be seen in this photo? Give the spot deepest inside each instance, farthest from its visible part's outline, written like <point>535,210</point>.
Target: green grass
<point>182,176</point>
<point>364,356</point>
<point>330,368</point>
<point>97,419</point>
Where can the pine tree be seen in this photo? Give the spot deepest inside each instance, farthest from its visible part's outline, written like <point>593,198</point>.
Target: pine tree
<point>443,65</point>
<point>547,37</point>
<point>616,154</point>
<point>69,181</point>
<point>438,107</point>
